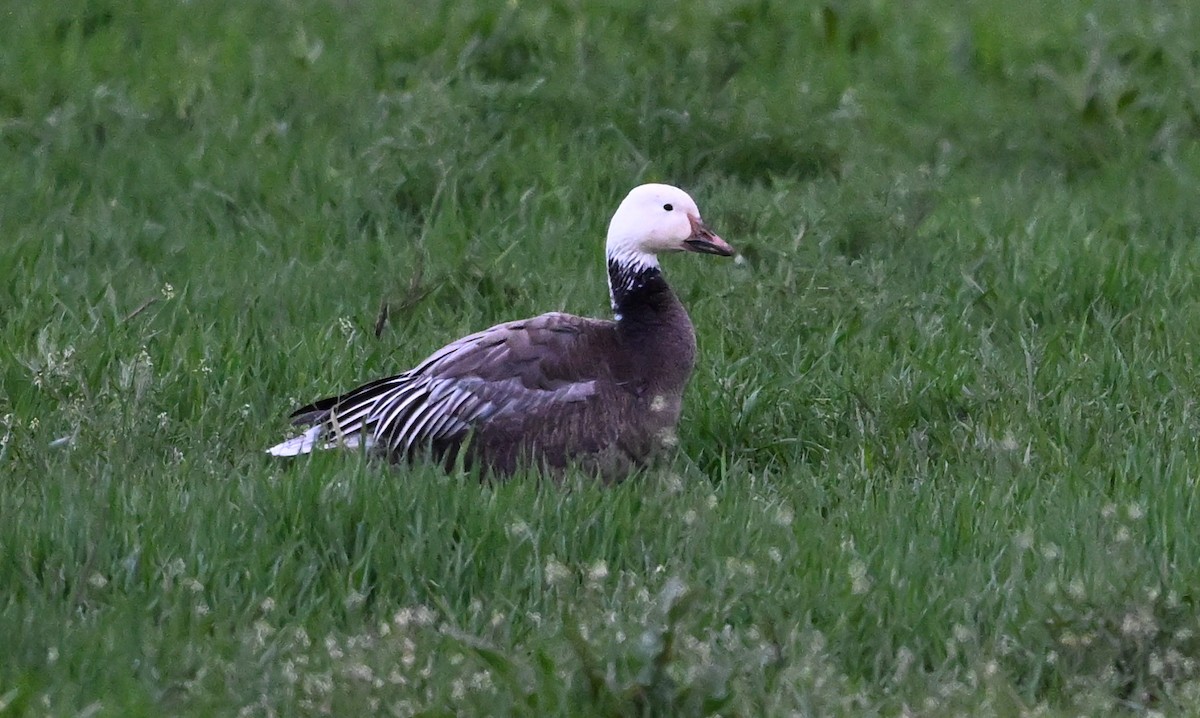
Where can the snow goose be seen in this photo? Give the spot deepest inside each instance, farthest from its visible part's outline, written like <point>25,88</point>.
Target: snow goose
<point>552,391</point>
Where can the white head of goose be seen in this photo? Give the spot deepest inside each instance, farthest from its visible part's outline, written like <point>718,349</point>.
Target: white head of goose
<point>552,391</point>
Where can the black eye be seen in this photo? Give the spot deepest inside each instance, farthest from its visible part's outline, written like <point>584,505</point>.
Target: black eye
<point>668,207</point>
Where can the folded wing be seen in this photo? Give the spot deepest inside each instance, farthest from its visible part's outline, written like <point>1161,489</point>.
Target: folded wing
<point>527,367</point>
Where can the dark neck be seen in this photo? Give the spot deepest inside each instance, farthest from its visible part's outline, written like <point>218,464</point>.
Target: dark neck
<point>653,324</point>
<point>640,295</point>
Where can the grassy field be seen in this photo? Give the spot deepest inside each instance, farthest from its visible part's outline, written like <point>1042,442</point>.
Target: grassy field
<point>940,455</point>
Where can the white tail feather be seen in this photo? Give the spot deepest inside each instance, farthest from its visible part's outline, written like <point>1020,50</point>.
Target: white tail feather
<point>311,440</point>
<point>302,444</point>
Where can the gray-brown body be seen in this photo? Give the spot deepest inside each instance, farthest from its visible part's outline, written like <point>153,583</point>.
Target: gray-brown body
<point>552,391</point>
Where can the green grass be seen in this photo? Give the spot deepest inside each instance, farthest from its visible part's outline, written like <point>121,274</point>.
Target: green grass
<point>940,455</point>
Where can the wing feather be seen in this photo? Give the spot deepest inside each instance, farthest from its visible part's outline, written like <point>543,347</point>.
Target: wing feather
<point>525,366</point>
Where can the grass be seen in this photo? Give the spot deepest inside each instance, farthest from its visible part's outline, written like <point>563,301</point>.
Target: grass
<point>939,457</point>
